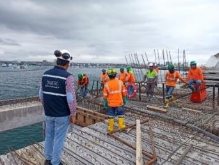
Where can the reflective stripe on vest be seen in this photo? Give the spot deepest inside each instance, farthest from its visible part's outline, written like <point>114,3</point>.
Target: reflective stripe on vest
<point>47,75</point>
<point>54,94</point>
<point>115,91</point>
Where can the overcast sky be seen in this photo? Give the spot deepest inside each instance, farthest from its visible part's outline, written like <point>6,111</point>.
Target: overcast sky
<point>107,31</point>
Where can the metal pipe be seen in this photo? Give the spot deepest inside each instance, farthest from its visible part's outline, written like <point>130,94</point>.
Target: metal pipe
<point>143,61</point>
<point>213,99</point>
<point>151,161</point>
<point>161,78</point>
<point>163,58</point>
<point>155,56</point>
<point>139,67</point>
<point>167,57</point>
<point>146,57</point>
<point>129,145</point>
<point>97,88</point>
<point>93,85</point>
<point>163,92</point>
<point>170,57</point>
<point>139,90</point>
<point>218,94</point>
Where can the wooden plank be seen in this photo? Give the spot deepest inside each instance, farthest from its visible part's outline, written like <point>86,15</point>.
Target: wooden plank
<point>193,110</point>
<point>139,157</point>
<point>150,107</point>
<point>89,120</point>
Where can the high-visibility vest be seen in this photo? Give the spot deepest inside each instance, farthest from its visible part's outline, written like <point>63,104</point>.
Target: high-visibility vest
<point>84,80</point>
<point>122,76</point>
<point>130,77</point>
<point>195,74</point>
<point>171,78</point>
<point>114,91</point>
<point>151,74</point>
<point>104,78</point>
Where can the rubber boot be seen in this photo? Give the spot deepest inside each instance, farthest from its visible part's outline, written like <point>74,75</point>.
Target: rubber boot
<point>121,122</point>
<point>173,99</point>
<point>110,125</point>
<point>167,102</point>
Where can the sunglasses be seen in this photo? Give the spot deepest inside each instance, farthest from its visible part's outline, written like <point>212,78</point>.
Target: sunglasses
<point>64,56</point>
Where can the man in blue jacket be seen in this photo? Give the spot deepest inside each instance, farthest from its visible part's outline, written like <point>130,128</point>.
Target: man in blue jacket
<point>57,95</point>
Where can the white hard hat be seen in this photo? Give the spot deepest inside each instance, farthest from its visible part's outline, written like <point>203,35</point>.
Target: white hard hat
<point>151,64</point>
<point>63,54</point>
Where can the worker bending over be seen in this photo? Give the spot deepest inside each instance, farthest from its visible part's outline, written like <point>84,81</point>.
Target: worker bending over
<point>83,82</point>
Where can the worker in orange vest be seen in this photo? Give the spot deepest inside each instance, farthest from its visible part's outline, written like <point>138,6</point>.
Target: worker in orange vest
<point>195,76</point>
<point>103,78</point>
<point>122,75</point>
<point>130,78</point>
<point>171,78</point>
<point>130,75</point>
<point>114,99</point>
<point>83,82</point>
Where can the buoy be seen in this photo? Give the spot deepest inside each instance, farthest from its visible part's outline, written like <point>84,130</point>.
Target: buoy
<point>131,90</point>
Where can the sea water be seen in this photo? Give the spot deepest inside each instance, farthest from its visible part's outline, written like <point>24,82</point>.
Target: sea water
<point>16,83</point>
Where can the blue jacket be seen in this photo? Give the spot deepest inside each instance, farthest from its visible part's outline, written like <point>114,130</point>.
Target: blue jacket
<point>54,92</point>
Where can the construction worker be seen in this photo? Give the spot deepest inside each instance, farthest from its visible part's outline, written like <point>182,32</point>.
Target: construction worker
<point>58,98</point>
<point>114,98</point>
<point>195,76</point>
<point>103,78</point>
<point>130,78</point>
<point>83,82</point>
<point>122,75</point>
<point>171,78</point>
<point>151,76</point>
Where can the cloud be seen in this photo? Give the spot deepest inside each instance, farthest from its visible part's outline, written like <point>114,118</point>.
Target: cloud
<point>93,31</point>
<point>9,42</point>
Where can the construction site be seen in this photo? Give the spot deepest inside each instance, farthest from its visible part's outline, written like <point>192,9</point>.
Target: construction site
<point>186,132</point>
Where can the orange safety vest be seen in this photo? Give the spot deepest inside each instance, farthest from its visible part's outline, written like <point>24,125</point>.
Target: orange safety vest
<point>171,78</point>
<point>195,74</point>
<point>130,77</point>
<point>122,76</point>
<point>104,78</point>
<point>84,81</point>
<point>114,91</point>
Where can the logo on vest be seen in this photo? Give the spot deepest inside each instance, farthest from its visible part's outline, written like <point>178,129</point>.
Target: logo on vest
<point>52,84</point>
